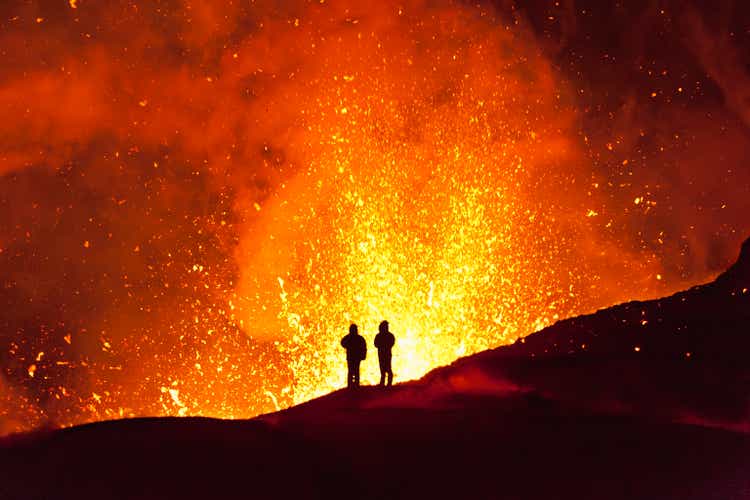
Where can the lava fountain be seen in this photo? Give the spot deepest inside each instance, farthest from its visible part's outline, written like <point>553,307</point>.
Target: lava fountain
<point>438,182</point>
<point>198,198</point>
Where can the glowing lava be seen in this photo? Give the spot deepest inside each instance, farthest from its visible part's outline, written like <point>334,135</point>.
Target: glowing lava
<point>434,187</point>
<point>198,198</point>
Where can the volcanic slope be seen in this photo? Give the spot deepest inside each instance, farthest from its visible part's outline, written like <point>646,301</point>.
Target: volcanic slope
<point>641,400</point>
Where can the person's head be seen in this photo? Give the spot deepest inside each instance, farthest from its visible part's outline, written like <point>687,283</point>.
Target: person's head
<point>353,329</point>
<point>383,328</point>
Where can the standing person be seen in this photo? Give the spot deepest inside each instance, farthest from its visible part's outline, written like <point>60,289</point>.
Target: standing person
<point>356,351</point>
<point>384,341</point>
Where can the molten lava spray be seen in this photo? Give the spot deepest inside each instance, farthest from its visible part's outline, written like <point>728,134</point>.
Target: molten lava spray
<point>200,197</point>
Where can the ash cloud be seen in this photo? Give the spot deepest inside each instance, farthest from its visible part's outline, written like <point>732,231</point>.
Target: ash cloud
<point>662,92</point>
<point>718,50</point>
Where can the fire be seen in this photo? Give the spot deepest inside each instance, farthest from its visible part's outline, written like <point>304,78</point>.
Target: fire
<point>431,191</point>
<point>418,201</point>
<point>190,225</point>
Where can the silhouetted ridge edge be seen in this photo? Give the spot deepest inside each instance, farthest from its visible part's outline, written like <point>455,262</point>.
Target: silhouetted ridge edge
<point>739,272</point>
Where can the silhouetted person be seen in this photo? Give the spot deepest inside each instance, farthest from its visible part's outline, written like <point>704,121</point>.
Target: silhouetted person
<point>384,341</point>
<point>356,351</point>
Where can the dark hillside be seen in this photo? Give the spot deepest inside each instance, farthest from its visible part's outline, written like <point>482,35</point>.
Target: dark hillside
<point>642,400</point>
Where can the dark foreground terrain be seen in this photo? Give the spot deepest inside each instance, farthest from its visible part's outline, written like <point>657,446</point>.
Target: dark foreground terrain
<point>646,400</point>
